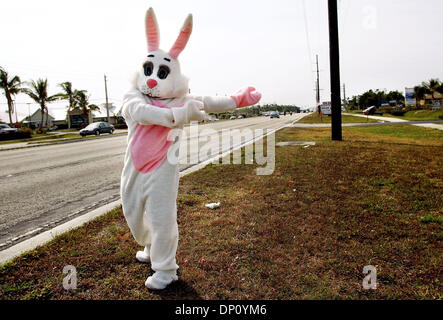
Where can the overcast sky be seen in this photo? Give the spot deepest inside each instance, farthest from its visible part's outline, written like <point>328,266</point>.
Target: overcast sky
<point>389,44</point>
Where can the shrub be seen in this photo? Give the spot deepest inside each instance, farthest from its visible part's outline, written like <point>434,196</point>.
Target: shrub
<point>19,134</point>
<point>41,130</point>
<point>120,126</point>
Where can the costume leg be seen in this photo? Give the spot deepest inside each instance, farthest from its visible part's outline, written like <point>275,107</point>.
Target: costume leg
<point>161,210</point>
<point>133,192</point>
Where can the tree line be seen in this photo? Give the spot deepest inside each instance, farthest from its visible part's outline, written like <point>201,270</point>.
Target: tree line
<point>37,90</point>
<point>375,97</point>
<point>258,109</point>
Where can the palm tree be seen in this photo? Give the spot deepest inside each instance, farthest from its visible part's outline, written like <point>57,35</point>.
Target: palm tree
<point>68,93</point>
<point>81,103</point>
<point>11,86</point>
<point>38,91</point>
<point>431,86</point>
<point>419,92</point>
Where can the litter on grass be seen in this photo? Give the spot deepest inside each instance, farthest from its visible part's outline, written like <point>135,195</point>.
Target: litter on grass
<point>295,143</point>
<point>213,205</point>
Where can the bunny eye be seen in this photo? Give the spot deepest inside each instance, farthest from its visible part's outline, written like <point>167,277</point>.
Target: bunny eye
<point>148,67</point>
<point>163,72</point>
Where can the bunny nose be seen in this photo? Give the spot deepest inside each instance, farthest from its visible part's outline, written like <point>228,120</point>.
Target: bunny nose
<point>151,83</point>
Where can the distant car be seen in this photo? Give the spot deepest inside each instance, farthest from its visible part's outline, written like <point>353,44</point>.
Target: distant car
<point>97,128</point>
<point>213,118</point>
<point>241,116</point>
<point>370,110</point>
<point>275,114</point>
<point>232,118</point>
<point>4,128</point>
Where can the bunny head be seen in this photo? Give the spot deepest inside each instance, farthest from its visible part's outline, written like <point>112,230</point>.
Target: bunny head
<point>159,76</point>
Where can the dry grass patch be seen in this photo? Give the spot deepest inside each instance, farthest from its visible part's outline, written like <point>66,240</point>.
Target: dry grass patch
<point>304,232</point>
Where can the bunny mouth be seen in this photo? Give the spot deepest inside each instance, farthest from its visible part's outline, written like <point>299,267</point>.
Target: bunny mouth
<point>151,96</point>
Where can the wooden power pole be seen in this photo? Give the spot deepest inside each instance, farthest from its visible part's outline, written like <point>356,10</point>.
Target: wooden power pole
<point>334,58</point>
<point>318,86</point>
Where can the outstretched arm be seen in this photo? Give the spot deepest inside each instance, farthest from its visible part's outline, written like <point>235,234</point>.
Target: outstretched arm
<point>137,109</point>
<point>243,98</point>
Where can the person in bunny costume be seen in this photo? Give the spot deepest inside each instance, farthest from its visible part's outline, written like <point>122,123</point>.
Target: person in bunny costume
<point>157,103</point>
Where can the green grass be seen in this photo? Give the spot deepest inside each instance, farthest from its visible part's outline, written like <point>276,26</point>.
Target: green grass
<point>401,131</point>
<point>41,137</point>
<point>431,219</point>
<point>304,232</point>
<point>45,138</point>
<point>316,118</point>
<point>415,115</point>
<point>420,115</point>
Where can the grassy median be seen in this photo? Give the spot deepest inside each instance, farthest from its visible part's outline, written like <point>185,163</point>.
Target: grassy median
<point>414,115</point>
<point>304,232</point>
<point>317,118</point>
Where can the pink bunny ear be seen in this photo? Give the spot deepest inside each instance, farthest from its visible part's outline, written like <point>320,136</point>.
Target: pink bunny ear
<point>182,39</point>
<point>152,33</point>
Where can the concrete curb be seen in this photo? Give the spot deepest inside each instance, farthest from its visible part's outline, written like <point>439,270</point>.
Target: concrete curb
<point>44,237</point>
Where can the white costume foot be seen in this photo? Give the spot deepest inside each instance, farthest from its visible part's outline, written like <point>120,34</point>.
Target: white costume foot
<point>161,279</point>
<point>143,256</point>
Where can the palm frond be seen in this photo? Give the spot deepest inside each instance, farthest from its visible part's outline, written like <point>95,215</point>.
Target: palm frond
<point>31,94</point>
<point>93,107</point>
<point>55,97</point>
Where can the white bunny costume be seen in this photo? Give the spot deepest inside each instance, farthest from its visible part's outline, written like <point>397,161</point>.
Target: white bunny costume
<point>157,103</point>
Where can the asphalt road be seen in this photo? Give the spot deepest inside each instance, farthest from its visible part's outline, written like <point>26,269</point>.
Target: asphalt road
<point>45,186</point>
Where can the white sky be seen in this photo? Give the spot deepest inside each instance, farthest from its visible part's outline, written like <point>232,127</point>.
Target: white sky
<point>234,43</point>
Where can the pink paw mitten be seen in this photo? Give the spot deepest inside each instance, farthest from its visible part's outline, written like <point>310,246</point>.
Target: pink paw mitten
<point>246,97</point>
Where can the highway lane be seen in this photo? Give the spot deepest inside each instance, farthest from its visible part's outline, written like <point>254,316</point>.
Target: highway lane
<point>45,186</point>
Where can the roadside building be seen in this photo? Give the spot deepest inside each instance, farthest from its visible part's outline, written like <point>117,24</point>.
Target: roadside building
<point>101,115</point>
<point>78,119</point>
<point>437,101</point>
<point>35,120</point>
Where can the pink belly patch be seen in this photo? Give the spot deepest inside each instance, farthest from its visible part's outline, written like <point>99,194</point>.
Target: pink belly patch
<point>149,145</point>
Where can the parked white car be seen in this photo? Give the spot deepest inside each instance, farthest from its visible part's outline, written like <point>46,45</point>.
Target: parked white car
<point>4,128</point>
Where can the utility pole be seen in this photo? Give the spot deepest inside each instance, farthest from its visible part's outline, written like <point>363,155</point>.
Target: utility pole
<point>345,101</point>
<point>317,85</point>
<point>107,105</point>
<point>334,58</point>
<point>16,116</point>
<point>29,114</point>
<point>318,82</point>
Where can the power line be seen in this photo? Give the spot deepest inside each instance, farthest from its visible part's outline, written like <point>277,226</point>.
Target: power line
<point>308,43</point>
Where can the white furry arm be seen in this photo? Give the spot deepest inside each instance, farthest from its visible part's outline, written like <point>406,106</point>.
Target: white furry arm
<point>189,112</point>
<point>217,104</point>
<point>136,108</point>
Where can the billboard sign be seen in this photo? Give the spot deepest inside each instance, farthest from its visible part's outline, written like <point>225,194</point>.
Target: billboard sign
<point>409,97</point>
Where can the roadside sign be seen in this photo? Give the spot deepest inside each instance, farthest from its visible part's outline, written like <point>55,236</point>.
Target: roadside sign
<point>325,108</point>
